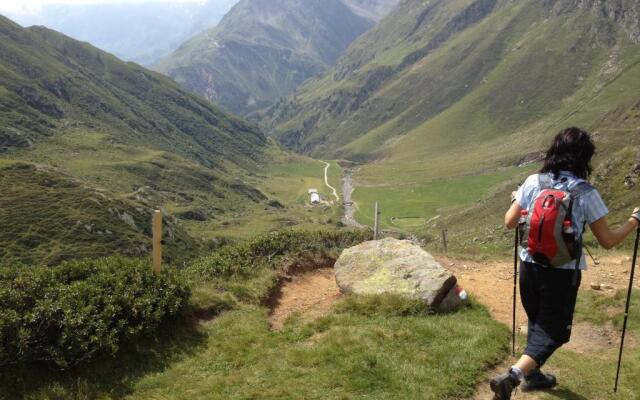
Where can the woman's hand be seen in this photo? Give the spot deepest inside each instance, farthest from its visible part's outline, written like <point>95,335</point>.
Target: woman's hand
<point>636,215</point>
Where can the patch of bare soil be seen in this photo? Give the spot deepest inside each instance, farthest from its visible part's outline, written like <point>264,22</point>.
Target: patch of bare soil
<point>312,294</point>
<point>491,283</point>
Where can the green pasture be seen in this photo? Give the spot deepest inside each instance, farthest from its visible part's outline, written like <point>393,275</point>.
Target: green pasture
<point>180,185</point>
<point>287,180</point>
<point>408,207</point>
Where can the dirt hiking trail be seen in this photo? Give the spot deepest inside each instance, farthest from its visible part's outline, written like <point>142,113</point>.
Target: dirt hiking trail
<point>313,294</point>
<point>491,283</point>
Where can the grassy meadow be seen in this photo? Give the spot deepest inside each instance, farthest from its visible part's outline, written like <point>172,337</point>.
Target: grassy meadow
<point>376,346</point>
<point>360,350</point>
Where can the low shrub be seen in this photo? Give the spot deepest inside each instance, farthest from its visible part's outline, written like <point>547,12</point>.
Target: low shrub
<point>81,309</point>
<point>268,251</point>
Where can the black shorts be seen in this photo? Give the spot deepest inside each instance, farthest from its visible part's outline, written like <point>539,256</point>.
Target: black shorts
<point>549,299</point>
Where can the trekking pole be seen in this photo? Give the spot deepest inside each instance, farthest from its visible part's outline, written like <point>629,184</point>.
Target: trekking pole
<point>626,309</point>
<point>596,262</point>
<point>515,280</point>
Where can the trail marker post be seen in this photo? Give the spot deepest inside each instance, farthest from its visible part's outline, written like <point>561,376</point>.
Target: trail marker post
<point>444,241</point>
<point>157,241</point>
<point>375,222</point>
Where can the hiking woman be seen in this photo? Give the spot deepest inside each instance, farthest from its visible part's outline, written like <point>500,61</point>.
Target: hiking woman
<point>548,291</point>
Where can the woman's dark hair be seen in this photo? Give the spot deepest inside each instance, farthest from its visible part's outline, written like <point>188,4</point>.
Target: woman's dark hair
<point>572,150</point>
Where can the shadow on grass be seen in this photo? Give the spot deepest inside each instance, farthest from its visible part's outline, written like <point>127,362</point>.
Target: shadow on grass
<point>565,394</point>
<point>110,377</point>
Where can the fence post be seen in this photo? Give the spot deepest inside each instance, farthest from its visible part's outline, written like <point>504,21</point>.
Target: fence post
<point>375,223</point>
<point>444,241</point>
<point>157,241</point>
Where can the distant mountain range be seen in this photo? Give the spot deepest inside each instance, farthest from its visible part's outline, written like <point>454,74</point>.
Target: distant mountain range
<point>90,144</point>
<point>264,49</point>
<point>139,32</point>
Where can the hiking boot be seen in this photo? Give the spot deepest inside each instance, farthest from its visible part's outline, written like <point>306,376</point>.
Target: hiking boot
<point>536,380</point>
<point>504,385</point>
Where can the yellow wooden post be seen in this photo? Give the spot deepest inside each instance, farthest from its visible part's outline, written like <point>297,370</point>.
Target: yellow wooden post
<point>375,222</point>
<point>157,241</point>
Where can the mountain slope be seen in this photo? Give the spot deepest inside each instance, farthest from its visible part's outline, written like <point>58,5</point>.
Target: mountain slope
<point>48,216</point>
<point>96,123</point>
<point>464,94</point>
<point>52,79</point>
<point>495,60</point>
<point>262,50</point>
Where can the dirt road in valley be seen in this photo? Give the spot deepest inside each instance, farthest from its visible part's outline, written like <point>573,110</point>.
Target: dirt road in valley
<point>349,205</point>
<point>326,181</point>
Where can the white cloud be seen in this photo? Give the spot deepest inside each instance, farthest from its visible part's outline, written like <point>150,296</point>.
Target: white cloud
<point>33,6</point>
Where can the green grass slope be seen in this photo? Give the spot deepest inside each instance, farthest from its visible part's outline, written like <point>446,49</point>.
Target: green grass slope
<point>503,65</point>
<point>469,92</point>
<point>51,82</point>
<point>262,50</point>
<point>48,216</point>
<point>138,138</point>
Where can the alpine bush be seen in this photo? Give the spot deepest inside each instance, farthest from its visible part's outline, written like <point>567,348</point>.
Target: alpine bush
<point>267,251</point>
<point>81,309</point>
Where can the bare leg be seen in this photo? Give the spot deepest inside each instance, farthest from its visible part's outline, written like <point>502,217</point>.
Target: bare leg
<point>526,364</point>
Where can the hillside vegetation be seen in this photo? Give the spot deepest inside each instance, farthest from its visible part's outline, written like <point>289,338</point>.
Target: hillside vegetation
<point>48,216</point>
<point>81,310</point>
<point>452,90</point>
<point>376,346</point>
<point>262,50</point>
<point>109,141</point>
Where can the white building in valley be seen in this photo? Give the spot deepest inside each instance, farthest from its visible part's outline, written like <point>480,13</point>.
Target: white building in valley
<point>315,196</point>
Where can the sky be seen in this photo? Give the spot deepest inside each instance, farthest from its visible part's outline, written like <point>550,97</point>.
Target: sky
<point>33,6</point>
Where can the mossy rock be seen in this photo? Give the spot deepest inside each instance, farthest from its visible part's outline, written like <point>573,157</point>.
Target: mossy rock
<point>392,266</point>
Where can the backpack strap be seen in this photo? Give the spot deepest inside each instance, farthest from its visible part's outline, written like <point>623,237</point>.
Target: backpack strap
<point>577,189</point>
<point>545,181</point>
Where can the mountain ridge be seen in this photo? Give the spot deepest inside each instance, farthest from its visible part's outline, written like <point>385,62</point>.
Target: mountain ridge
<point>263,50</point>
<point>139,32</point>
<point>358,76</point>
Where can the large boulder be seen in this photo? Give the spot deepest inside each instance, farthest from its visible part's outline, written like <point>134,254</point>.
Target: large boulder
<point>396,267</point>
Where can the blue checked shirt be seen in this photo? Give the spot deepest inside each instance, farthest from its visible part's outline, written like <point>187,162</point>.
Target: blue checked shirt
<point>587,209</point>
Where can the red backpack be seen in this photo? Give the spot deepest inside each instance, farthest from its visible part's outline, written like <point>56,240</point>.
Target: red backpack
<point>546,228</point>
